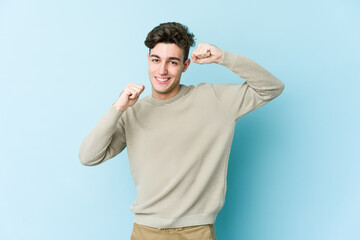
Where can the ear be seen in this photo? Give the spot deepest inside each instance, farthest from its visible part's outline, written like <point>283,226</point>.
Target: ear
<point>186,64</point>
<point>148,57</point>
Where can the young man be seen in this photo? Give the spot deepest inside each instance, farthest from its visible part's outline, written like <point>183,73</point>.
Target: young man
<point>179,138</point>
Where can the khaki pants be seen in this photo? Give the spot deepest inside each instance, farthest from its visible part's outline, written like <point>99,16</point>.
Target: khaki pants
<point>201,232</point>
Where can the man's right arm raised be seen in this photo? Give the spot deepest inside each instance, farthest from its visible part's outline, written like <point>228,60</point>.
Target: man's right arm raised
<point>107,138</point>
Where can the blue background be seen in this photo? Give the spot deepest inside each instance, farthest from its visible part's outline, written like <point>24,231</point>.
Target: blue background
<point>294,165</point>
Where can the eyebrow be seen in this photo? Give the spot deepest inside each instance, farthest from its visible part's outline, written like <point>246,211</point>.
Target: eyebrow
<point>170,58</point>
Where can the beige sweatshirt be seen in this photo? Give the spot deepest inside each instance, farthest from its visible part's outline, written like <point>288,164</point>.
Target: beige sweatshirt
<point>179,148</point>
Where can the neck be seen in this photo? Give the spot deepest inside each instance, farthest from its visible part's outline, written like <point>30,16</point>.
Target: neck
<point>164,96</point>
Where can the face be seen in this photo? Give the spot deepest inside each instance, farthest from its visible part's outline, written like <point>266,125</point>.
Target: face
<point>166,64</point>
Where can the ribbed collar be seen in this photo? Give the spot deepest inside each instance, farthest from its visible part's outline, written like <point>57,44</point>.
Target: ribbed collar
<point>182,91</point>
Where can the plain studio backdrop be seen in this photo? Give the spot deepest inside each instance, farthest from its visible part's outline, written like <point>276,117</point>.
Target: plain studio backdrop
<point>294,166</point>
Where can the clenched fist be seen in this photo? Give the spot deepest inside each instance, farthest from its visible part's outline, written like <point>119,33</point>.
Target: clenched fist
<point>206,53</point>
<point>129,96</point>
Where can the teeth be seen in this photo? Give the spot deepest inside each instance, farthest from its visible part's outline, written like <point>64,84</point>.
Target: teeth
<point>162,79</point>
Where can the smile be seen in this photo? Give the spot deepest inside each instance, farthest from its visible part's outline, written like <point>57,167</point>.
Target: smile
<point>162,80</point>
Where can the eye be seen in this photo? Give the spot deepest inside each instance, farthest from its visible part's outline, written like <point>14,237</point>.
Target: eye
<point>155,60</point>
<point>173,63</point>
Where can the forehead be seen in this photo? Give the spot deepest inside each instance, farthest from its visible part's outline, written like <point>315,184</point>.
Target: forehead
<point>167,50</point>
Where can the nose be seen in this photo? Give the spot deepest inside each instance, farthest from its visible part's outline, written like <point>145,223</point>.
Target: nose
<point>163,68</point>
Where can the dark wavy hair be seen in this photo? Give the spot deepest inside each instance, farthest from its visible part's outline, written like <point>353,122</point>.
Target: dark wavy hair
<point>171,32</point>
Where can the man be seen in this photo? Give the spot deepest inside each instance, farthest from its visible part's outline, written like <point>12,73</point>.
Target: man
<point>179,138</point>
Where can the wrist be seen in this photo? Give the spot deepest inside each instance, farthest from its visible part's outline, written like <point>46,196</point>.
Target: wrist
<point>221,56</point>
<point>120,108</point>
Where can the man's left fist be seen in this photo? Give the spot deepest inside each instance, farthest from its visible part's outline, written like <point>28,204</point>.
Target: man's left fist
<point>206,53</point>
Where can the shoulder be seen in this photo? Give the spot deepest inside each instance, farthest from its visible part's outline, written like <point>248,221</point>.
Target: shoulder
<point>202,87</point>
<point>211,87</point>
<point>202,91</point>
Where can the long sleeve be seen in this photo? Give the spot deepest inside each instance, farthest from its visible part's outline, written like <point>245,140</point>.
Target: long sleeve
<point>106,139</point>
<point>260,86</point>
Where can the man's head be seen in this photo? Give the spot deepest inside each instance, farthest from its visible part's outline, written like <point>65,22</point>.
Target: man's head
<point>169,45</point>
<point>171,32</point>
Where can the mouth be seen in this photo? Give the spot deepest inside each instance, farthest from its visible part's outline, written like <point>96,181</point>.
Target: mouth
<point>162,80</point>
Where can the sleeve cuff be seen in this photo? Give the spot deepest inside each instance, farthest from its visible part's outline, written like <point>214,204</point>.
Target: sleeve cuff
<point>228,60</point>
<point>114,114</point>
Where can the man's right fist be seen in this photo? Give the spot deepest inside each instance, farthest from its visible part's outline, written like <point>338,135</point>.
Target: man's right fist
<point>129,96</point>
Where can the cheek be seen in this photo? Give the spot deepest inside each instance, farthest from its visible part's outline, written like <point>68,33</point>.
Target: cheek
<point>178,72</point>
<point>151,68</point>
<point>151,72</point>
<point>175,70</point>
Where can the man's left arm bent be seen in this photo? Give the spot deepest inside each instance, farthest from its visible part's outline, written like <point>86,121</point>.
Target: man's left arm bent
<point>260,85</point>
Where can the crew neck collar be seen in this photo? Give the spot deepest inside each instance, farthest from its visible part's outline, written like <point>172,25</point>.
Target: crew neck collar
<point>181,93</point>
